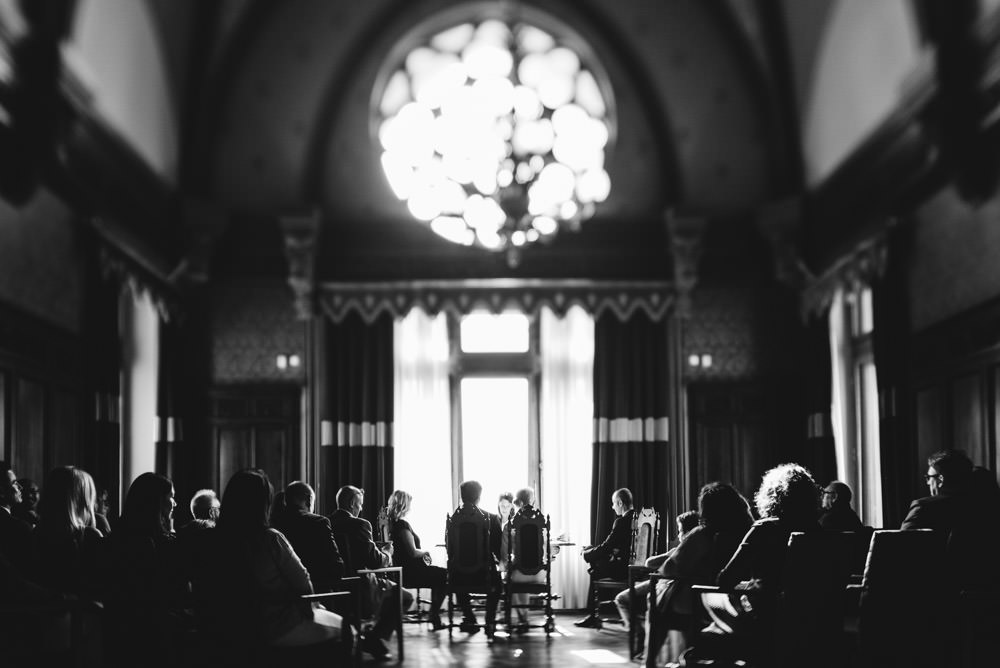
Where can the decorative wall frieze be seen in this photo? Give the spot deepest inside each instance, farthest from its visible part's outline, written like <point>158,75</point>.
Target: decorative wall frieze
<point>460,297</point>
<point>685,236</point>
<point>301,233</point>
<point>139,279</point>
<point>863,265</point>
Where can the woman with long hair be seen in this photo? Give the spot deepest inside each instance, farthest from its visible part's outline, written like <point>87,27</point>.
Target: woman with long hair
<point>66,541</point>
<point>248,580</point>
<point>416,563</point>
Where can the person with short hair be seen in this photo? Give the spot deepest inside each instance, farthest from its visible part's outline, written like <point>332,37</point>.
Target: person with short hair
<point>418,571</point>
<point>311,536</point>
<point>27,510</point>
<point>609,559</point>
<point>353,535</point>
<point>15,533</point>
<point>837,514</point>
<point>948,478</point>
<point>470,492</point>
<point>205,507</point>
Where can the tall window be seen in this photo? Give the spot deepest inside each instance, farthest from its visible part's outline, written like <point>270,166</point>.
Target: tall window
<point>855,393</point>
<point>494,380</point>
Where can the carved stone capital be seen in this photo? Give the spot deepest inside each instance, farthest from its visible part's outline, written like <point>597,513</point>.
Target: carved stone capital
<point>301,233</point>
<point>780,223</point>
<point>685,235</point>
<point>204,224</point>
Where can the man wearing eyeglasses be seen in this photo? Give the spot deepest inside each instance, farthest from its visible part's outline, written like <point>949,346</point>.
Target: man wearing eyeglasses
<point>837,514</point>
<point>949,474</point>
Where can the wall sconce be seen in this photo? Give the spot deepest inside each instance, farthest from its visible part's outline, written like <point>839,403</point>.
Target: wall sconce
<point>703,360</point>
<point>285,362</point>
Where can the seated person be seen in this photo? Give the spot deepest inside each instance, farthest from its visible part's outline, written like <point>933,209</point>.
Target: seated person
<point>505,511</point>
<point>359,552</point>
<point>837,514</point>
<point>311,536</point>
<point>787,501</point>
<point>686,522</point>
<point>471,492</point>
<point>15,533</point>
<point>524,502</point>
<point>145,580</point>
<point>27,510</point>
<point>949,476</point>
<point>247,580</point>
<point>415,562</point>
<point>103,508</point>
<point>205,508</point>
<point>610,558</point>
<point>723,520</point>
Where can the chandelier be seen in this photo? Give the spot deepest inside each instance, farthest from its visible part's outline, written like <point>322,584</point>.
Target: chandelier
<point>494,135</point>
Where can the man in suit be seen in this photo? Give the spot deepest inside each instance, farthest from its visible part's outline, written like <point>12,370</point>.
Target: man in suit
<point>353,536</point>
<point>311,536</point>
<point>610,558</point>
<point>15,533</point>
<point>471,492</point>
<point>837,513</point>
<point>949,474</point>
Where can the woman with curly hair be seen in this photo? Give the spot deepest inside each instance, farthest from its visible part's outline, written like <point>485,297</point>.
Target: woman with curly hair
<point>787,501</point>
<point>416,563</point>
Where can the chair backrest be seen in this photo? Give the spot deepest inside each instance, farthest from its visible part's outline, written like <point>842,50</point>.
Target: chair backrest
<point>860,543</point>
<point>811,600</point>
<point>645,532</point>
<point>901,594</point>
<point>529,541</point>
<point>467,538</point>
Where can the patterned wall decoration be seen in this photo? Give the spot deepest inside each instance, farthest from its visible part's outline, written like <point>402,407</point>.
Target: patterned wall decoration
<point>254,322</point>
<point>748,332</point>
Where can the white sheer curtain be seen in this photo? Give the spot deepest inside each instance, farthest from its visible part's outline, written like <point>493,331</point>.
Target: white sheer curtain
<point>841,411</point>
<point>567,413</point>
<point>422,429</point>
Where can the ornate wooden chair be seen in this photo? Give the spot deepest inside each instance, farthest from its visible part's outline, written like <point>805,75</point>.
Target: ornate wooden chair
<point>645,533</point>
<point>470,563</point>
<point>530,556</point>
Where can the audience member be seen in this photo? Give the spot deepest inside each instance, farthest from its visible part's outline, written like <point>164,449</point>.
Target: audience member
<point>610,558</point>
<point>686,522</point>
<point>311,536</point>
<point>524,504</point>
<point>205,508</point>
<point>415,562</point>
<point>248,579</point>
<point>470,493</point>
<point>949,476</point>
<point>724,518</point>
<point>15,533</point>
<point>66,542</point>
<point>837,514</point>
<point>787,501</point>
<point>359,551</point>
<point>27,510</point>
<point>145,578</point>
<point>103,513</point>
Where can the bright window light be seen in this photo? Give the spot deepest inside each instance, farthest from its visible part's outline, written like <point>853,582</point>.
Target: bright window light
<point>483,332</point>
<point>495,435</point>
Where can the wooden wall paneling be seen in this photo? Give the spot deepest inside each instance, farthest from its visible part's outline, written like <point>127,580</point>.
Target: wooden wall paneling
<point>28,458</point>
<point>968,416</point>
<point>235,451</point>
<point>931,424</point>
<point>64,429</point>
<point>272,448</point>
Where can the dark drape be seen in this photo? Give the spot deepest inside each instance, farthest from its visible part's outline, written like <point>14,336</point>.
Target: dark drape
<point>359,408</point>
<point>168,392</point>
<point>630,417</point>
<point>819,453</point>
<point>891,346</point>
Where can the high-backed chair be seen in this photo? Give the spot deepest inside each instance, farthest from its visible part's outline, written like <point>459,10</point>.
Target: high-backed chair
<point>903,593</point>
<point>530,555</point>
<point>645,533</point>
<point>470,562</point>
<point>807,624</point>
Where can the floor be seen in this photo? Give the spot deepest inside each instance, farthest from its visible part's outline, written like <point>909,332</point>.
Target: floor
<point>567,646</point>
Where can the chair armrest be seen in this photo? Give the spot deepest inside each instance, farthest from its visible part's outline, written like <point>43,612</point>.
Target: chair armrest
<point>851,586</point>
<point>324,596</point>
<point>710,589</point>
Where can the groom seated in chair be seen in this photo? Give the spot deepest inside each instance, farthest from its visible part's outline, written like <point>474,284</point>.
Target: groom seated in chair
<point>470,492</point>
<point>610,558</point>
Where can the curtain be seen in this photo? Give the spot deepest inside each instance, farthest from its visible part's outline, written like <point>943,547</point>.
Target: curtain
<point>820,455</point>
<point>891,347</point>
<point>630,417</point>
<point>841,408</point>
<point>423,423</point>
<point>567,404</point>
<point>360,411</point>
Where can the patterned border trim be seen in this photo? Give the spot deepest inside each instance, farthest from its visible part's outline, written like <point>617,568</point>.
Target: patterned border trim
<point>361,434</point>
<point>622,298</point>
<point>631,430</point>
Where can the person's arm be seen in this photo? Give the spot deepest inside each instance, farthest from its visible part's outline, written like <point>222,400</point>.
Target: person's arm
<point>408,547</point>
<point>293,573</point>
<point>619,536</point>
<point>740,567</point>
<point>495,541</point>
<point>376,558</point>
<point>685,560</point>
<point>332,564</point>
<point>914,518</point>
<point>655,561</point>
